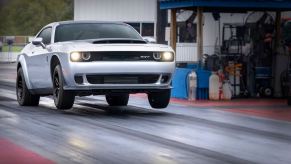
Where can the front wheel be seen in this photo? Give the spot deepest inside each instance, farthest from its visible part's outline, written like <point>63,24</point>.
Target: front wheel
<point>63,99</point>
<point>159,99</point>
<point>117,99</point>
<point>24,97</point>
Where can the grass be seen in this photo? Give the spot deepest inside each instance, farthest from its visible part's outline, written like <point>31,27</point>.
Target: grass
<point>5,48</point>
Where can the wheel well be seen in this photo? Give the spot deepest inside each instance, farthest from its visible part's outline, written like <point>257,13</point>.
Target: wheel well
<point>54,62</point>
<point>18,66</point>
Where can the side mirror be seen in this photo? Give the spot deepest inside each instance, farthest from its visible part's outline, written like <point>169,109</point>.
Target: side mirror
<point>37,42</point>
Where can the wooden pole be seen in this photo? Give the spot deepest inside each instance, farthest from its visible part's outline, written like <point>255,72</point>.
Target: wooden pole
<point>276,82</point>
<point>278,30</point>
<point>173,36</point>
<point>199,33</point>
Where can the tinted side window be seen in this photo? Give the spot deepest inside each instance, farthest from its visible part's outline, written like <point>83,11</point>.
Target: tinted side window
<point>46,35</point>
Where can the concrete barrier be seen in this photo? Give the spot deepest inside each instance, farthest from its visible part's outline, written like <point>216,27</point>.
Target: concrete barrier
<point>8,56</point>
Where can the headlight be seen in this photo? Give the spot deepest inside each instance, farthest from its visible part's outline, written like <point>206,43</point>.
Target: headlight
<point>167,56</point>
<point>75,56</point>
<point>80,56</point>
<point>86,56</point>
<point>163,56</point>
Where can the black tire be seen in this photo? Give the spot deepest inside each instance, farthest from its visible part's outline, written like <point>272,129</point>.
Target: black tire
<point>117,99</point>
<point>267,92</point>
<point>24,97</point>
<point>159,99</point>
<point>63,99</point>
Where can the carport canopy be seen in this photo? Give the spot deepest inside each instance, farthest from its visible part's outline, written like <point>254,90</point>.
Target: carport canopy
<point>247,5</point>
<point>221,6</point>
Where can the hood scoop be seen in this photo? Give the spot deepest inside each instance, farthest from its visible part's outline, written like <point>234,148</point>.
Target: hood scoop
<point>118,41</point>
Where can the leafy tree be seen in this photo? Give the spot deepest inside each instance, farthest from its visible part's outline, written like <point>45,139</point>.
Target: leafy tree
<point>26,17</point>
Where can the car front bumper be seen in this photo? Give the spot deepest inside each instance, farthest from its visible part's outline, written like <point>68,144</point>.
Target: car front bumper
<point>71,69</point>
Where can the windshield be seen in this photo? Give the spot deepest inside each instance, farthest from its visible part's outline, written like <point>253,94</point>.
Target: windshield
<point>83,31</point>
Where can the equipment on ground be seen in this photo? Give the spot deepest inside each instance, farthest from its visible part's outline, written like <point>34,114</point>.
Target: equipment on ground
<point>214,86</point>
<point>192,85</point>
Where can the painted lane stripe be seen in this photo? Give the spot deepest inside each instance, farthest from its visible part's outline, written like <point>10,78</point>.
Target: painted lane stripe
<point>11,153</point>
<point>279,114</point>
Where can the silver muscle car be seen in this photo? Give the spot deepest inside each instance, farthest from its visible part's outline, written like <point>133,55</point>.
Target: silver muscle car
<point>81,58</point>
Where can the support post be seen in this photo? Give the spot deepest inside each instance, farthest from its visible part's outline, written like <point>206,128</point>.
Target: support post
<point>173,35</point>
<point>278,30</point>
<point>199,33</point>
<point>278,59</point>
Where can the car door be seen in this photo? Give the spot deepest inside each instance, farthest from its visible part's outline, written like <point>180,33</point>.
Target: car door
<point>38,62</point>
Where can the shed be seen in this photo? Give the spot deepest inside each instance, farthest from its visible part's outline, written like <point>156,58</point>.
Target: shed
<point>221,6</point>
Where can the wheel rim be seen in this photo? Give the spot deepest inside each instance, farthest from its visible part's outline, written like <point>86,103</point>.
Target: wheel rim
<point>19,87</point>
<point>56,85</point>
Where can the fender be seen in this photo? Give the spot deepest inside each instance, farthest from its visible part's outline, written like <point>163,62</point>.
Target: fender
<point>21,60</point>
<point>64,62</point>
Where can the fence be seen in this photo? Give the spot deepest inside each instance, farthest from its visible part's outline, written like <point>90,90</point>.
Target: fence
<point>8,56</point>
<point>187,52</point>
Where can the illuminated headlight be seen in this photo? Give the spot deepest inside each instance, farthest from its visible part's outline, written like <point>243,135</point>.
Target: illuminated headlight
<point>80,56</point>
<point>167,56</point>
<point>75,56</point>
<point>163,56</point>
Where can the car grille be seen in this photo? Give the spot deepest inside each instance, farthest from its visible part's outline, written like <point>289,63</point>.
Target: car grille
<point>122,56</point>
<point>123,79</point>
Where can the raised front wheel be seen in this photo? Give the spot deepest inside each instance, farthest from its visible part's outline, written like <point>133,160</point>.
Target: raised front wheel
<point>159,99</point>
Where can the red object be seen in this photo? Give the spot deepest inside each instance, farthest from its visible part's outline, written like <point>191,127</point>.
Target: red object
<point>277,114</point>
<point>14,154</point>
<point>221,78</point>
<point>267,108</point>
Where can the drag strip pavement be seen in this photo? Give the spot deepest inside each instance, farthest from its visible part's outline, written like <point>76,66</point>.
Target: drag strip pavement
<point>93,132</point>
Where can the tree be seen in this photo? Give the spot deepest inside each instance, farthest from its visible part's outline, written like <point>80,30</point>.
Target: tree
<point>26,17</point>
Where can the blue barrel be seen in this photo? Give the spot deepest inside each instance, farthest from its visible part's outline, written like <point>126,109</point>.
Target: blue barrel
<point>179,83</point>
<point>203,84</point>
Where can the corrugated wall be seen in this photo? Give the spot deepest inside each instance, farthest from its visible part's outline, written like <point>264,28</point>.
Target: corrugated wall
<point>116,10</point>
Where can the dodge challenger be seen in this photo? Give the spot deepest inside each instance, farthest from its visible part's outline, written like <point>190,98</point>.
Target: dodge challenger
<point>82,58</point>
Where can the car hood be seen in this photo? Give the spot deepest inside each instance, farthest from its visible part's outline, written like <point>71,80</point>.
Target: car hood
<point>87,46</point>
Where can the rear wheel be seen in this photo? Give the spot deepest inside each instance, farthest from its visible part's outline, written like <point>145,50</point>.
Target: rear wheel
<point>63,99</point>
<point>117,99</point>
<point>24,97</point>
<point>159,99</point>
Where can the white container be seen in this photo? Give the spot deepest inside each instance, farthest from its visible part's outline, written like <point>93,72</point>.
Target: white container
<point>192,85</point>
<point>214,86</point>
<point>227,91</point>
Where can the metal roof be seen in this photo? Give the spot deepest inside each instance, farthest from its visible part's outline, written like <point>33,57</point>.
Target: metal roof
<point>247,5</point>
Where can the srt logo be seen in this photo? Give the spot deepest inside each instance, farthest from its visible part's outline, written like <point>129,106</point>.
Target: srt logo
<point>145,57</point>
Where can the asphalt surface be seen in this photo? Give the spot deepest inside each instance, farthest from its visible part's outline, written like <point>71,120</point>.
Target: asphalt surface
<point>93,132</point>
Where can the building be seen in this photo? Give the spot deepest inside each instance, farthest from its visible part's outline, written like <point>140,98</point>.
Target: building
<point>141,14</point>
<point>147,18</point>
